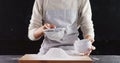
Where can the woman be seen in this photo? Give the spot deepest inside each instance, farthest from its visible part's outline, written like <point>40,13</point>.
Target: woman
<point>69,14</point>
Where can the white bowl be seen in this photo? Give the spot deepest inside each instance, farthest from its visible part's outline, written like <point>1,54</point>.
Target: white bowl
<point>55,34</point>
<point>82,46</point>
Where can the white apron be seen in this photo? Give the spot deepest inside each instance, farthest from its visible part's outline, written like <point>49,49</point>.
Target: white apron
<point>63,17</point>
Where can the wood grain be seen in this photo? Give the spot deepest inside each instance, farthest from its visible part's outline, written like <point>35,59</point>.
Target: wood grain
<point>34,58</point>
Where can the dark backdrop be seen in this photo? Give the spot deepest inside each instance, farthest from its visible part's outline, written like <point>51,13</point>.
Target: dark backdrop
<point>15,16</point>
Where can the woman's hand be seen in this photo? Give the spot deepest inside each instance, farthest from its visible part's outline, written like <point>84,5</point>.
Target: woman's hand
<point>48,26</point>
<point>40,31</point>
<point>92,47</point>
<point>89,38</point>
<point>89,50</point>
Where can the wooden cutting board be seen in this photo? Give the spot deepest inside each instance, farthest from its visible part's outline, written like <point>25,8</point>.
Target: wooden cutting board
<point>34,58</point>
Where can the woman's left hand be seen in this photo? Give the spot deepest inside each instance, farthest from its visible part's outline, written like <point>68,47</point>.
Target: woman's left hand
<point>92,47</point>
<point>89,38</point>
<point>90,50</point>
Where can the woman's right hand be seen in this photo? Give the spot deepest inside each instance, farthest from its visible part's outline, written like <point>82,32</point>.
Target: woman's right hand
<point>48,26</point>
<point>40,31</point>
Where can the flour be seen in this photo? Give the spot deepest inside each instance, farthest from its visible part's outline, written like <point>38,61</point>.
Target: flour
<point>59,54</point>
<point>56,53</point>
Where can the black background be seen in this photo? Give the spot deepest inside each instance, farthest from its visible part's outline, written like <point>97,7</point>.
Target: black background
<point>15,16</point>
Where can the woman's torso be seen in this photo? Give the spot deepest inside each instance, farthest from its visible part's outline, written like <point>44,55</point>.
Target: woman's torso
<point>63,14</point>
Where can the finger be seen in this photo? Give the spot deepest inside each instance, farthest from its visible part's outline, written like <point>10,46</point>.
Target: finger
<point>49,26</point>
<point>87,53</point>
<point>93,47</point>
<point>52,26</point>
<point>46,26</point>
<point>92,40</point>
<point>89,38</point>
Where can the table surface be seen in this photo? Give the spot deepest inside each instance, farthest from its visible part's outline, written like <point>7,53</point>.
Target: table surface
<point>96,58</point>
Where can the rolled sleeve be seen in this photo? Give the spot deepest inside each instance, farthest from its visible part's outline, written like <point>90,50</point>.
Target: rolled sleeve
<point>85,18</point>
<point>36,19</point>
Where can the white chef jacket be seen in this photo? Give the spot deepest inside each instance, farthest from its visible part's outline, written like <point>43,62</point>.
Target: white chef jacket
<point>69,14</point>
